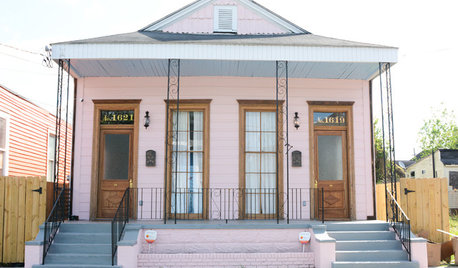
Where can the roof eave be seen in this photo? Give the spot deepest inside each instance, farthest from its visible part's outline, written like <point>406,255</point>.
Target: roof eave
<point>225,52</point>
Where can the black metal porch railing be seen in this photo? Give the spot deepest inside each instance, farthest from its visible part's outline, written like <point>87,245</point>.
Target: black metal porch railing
<point>119,222</point>
<point>52,223</point>
<point>228,204</point>
<point>399,222</point>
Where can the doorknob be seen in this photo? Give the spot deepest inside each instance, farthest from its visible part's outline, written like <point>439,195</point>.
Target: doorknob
<point>131,185</point>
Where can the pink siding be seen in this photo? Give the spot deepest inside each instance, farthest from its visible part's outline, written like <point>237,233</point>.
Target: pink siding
<point>29,127</point>
<point>224,125</point>
<point>248,22</point>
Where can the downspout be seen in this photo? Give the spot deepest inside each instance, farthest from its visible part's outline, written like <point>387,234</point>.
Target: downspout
<point>71,216</point>
<point>374,178</point>
<point>434,164</point>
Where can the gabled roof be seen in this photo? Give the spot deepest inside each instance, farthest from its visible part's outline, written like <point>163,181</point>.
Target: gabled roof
<point>179,14</point>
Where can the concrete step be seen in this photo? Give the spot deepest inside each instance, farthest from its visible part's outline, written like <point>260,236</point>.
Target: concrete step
<point>80,248</point>
<point>373,264</point>
<point>85,228</point>
<point>81,259</point>
<point>358,226</point>
<point>361,235</point>
<point>83,238</point>
<point>372,255</point>
<point>368,245</point>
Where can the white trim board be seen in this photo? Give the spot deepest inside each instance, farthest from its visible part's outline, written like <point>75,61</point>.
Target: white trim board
<point>224,52</point>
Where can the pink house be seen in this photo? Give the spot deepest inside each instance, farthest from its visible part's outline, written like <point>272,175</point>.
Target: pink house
<point>228,131</point>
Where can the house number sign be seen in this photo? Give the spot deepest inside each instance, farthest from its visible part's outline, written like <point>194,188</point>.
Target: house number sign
<point>117,117</point>
<point>329,119</point>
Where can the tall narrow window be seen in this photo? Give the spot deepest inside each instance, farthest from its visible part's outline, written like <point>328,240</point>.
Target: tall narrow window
<point>3,143</point>
<point>51,151</point>
<point>187,171</point>
<point>260,162</point>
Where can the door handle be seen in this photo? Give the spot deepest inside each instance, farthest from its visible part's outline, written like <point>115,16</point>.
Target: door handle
<point>115,185</point>
<point>131,185</point>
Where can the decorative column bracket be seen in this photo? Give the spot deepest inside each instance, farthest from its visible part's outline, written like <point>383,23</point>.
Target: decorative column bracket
<point>282,128</point>
<point>171,139</point>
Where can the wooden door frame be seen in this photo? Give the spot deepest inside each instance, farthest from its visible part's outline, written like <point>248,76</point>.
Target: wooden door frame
<point>100,105</point>
<point>189,105</point>
<point>334,106</point>
<point>259,106</point>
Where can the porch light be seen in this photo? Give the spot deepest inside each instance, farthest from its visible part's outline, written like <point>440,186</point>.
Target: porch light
<point>296,120</point>
<point>146,120</point>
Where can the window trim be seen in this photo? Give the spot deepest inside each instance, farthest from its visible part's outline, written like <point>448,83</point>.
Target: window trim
<point>50,133</point>
<point>259,106</point>
<point>216,28</point>
<point>7,118</point>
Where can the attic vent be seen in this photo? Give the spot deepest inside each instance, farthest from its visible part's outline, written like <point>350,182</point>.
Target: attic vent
<point>225,19</point>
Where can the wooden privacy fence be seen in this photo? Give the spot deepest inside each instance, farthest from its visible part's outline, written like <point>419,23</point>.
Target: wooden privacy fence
<point>22,211</point>
<point>426,207</point>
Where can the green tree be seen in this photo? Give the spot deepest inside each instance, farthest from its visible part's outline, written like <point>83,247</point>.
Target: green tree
<point>440,131</point>
<point>379,162</point>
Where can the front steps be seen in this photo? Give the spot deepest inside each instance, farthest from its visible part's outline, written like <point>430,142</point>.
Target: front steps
<point>367,244</point>
<point>84,245</point>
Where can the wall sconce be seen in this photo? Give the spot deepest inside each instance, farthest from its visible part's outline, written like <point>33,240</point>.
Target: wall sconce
<point>146,121</point>
<point>296,120</point>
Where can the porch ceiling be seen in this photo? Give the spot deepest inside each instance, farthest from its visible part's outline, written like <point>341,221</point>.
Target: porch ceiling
<point>158,67</point>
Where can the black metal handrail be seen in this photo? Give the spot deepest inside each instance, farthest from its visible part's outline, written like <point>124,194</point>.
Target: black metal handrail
<point>228,204</point>
<point>118,223</point>
<point>400,223</point>
<point>52,224</point>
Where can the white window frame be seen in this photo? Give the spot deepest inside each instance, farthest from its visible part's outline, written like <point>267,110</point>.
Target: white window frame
<point>50,133</point>
<point>7,143</point>
<point>216,28</point>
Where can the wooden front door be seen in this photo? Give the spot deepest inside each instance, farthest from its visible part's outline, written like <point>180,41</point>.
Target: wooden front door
<point>331,158</point>
<point>115,169</point>
<point>331,173</point>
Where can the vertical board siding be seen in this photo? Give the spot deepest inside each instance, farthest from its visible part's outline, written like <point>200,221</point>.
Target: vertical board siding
<point>21,213</point>
<point>224,124</point>
<point>29,128</point>
<point>427,207</point>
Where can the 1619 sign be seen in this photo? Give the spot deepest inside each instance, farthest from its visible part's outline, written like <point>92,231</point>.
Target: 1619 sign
<point>117,117</point>
<point>329,119</point>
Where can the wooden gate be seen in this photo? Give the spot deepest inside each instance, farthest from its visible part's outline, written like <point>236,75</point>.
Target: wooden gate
<point>426,207</point>
<point>22,210</point>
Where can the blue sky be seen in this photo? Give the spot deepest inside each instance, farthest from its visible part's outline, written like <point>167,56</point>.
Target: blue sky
<point>425,32</point>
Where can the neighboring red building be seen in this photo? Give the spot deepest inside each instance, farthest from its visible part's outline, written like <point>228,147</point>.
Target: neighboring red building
<point>27,136</point>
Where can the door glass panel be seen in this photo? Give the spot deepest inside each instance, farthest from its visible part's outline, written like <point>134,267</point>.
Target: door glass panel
<point>330,157</point>
<point>116,157</point>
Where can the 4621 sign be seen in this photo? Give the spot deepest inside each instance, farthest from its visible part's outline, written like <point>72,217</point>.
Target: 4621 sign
<point>117,117</point>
